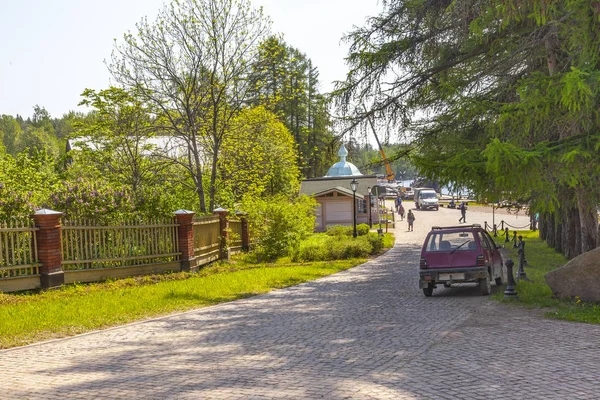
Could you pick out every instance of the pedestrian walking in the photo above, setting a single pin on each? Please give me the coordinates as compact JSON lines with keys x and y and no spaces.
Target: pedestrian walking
{"x":401,"y":212}
{"x":463,"y":212}
{"x":398,"y":203}
{"x":410,"y":217}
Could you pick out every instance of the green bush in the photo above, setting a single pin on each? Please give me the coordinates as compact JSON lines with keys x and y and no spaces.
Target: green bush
{"x":375,"y":241}
{"x":314,"y":248}
{"x":278,"y":225}
{"x":362,"y":229}
{"x":340,"y":249}
{"x":344,"y":230}
{"x":323,"y":247}
{"x":339,"y":230}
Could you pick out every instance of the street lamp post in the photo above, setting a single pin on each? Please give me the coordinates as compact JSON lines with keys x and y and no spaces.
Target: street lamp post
{"x":354,"y":186}
{"x":370,"y":208}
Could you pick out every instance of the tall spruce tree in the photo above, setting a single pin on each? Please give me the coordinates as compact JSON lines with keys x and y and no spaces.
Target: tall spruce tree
{"x":285,"y":82}
{"x":500,"y":95}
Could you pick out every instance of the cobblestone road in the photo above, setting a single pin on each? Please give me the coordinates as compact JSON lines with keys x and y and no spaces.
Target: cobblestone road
{"x":366,"y":333}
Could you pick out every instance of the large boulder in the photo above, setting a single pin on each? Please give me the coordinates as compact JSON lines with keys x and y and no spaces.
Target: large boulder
{"x":579,"y":277}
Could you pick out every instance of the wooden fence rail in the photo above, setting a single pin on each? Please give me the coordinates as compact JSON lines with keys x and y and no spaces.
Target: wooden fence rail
{"x":88,"y":246}
{"x":206,"y":238}
{"x":18,"y":249}
{"x":48,"y":253}
{"x":235,"y":231}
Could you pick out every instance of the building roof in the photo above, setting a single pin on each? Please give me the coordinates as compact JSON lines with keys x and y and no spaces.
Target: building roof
{"x":343,"y":167}
{"x":169,"y":146}
{"x":339,"y":189}
{"x":318,"y":185}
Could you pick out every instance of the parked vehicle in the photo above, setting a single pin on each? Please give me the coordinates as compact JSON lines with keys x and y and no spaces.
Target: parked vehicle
{"x":426,"y":198}
{"x":457,"y":254}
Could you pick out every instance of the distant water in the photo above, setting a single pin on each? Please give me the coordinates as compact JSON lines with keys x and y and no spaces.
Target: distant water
{"x":444,"y":189}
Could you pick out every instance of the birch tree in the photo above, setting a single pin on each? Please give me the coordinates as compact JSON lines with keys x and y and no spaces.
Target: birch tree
{"x":191,"y":67}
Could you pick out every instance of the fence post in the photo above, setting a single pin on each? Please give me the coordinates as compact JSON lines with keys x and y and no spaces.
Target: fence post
{"x":48,"y":239}
{"x":224,"y":232}
{"x":245,"y":232}
{"x":185,"y":239}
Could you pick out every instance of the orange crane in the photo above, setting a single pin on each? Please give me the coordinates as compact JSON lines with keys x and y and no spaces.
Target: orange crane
{"x":390,"y":176}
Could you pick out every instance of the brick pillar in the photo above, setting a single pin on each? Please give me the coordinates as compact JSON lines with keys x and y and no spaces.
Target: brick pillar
{"x":48,"y":239}
{"x":224,"y":232}
{"x":185,"y":239}
{"x":245,"y":232}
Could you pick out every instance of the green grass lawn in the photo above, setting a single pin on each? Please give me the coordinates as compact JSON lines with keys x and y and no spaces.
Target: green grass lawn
{"x":535,"y":293}
{"x":32,"y":317}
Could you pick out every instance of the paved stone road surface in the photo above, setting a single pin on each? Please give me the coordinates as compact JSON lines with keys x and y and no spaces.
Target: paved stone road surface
{"x":366,"y":333}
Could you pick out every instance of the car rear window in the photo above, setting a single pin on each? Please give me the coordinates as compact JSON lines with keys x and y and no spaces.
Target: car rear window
{"x":447,"y":241}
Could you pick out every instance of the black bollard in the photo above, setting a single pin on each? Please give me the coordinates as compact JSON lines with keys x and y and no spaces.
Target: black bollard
{"x":514,"y":240}
{"x":510,"y":293}
{"x":521,"y":274}
{"x":507,"y":240}
{"x":495,"y":230}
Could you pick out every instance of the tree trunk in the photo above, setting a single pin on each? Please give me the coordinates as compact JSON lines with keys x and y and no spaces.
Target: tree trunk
{"x":558,"y":229}
{"x":588,"y":220}
{"x":542,"y":226}
{"x":571,"y":233}
{"x":549,"y":223}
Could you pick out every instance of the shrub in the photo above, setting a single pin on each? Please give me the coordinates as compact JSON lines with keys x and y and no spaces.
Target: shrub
{"x":321,"y":247}
{"x":362,"y":229}
{"x":344,"y":230}
{"x":92,"y":199}
{"x":314,"y":248}
{"x":339,"y":230}
{"x":340,"y":249}
{"x":375,"y":241}
{"x":278,"y":225}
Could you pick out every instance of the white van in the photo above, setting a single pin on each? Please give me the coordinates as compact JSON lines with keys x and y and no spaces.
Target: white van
{"x":426,"y":198}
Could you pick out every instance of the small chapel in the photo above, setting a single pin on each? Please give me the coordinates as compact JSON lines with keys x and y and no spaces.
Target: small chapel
{"x":334,"y":194}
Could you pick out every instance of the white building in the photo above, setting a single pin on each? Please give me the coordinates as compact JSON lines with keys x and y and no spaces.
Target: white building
{"x":334,"y":194}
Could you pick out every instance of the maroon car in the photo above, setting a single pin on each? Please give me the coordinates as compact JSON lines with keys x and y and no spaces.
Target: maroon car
{"x":456,"y":254}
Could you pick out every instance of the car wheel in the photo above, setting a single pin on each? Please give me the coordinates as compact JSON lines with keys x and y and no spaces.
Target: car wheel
{"x":437,"y":208}
{"x":428,"y":291}
{"x":485,"y":285}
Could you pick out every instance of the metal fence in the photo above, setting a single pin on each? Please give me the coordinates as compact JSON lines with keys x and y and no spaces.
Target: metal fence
{"x":87,"y":246}
{"x":18,"y":249}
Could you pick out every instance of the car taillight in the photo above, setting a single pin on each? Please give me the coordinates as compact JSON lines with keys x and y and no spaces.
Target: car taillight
{"x":480,"y":261}
{"x":422,"y":263}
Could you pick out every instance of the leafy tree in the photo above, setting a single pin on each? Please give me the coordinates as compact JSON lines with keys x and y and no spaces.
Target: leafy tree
{"x":26,"y":182}
{"x":285,"y":82}
{"x":117,"y":142}
{"x":35,"y":139}
{"x":259,"y":157}
{"x":501,"y":96}
{"x":190,"y":67}
{"x":10,"y":131}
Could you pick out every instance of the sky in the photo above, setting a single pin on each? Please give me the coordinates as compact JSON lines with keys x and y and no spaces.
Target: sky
{"x":50,"y":51}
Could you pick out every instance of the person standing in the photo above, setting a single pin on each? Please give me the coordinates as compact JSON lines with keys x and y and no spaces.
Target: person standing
{"x":410,"y":217}
{"x":398,"y":204}
{"x":463,"y":212}
{"x":401,"y":212}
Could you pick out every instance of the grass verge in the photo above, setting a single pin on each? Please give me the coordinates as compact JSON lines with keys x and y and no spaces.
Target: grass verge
{"x":535,"y":293}
{"x":31,"y":317}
